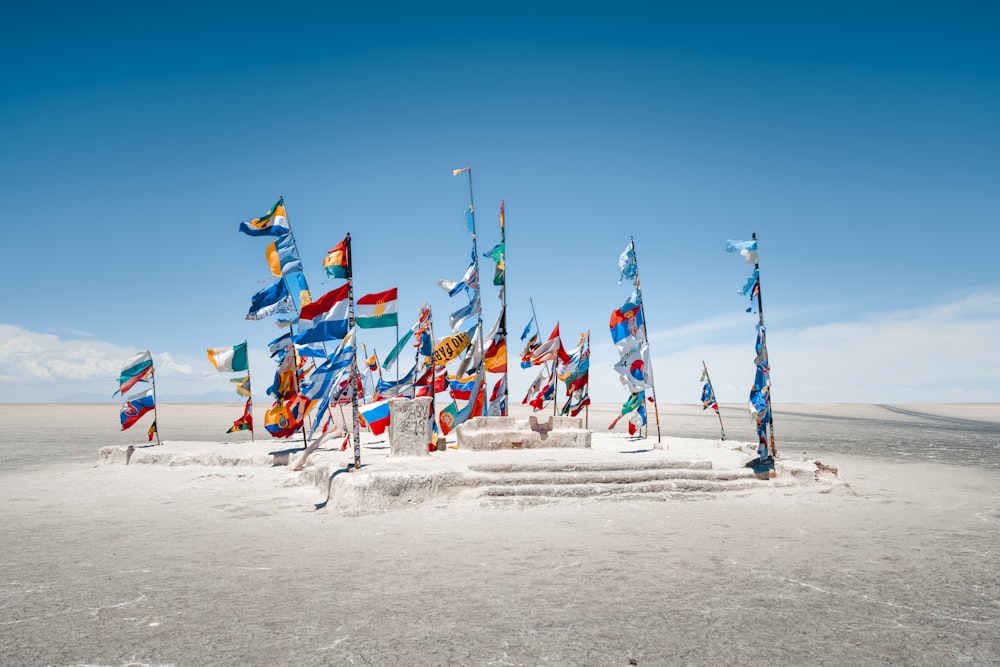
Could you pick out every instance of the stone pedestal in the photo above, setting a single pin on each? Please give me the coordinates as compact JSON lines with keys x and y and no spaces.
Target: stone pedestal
{"x":409,"y":426}
{"x":510,"y":433}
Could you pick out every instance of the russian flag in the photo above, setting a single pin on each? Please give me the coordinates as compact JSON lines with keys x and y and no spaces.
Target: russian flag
{"x":326,"y":318}
{"x":376,"y":415}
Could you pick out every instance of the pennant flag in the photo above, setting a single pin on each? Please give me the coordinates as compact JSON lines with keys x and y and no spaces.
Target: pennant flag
{"x":394,"y":352}
{"x":151,"y":432}
{"x":229,"y":359}
{"x":272,"y":223}
{"x":137,"y":368}
{"x":447,"y":417}
{"x":282,"y":256}
{"x":244,"y":423}
{"x":456,"y":172}
{"x":626,"y":328}
{"x":376,"y":310}
{"x":448,"y":348}
{"x":377,"y":415}
{"x":550,"y":350}
{"x":326,"y":318}
{"x":135,"y":407}
{"x":746,"y":248}
{"x":242,"y":385}
{"x":335,"y":261}
{"x":272,"y":299}
{"x":634,"y":369}
{"x":497,"y":254}
{"x":627,"y":267}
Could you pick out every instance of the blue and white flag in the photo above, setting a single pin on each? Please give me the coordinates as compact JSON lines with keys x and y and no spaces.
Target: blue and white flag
{"x":272,"y":299}
{"x":627,"y":266}
{"x":746,"y":248}
{"x":460,"y":316}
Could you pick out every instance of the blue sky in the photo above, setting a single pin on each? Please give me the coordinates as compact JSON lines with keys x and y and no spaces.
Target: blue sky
{"x":858,"y":140}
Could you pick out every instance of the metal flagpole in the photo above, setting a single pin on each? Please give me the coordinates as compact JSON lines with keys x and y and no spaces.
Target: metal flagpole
{"x":763,"y":343}
{"x":353,"y":388}
{"x":250,"y":396}
{"x":475,"y":259}
{"x":645,"y":335}
{"x":503,"y":306}
{"x":718,"y":413}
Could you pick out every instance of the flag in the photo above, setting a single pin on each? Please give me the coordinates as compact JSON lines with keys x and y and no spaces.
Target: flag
{"x":634,"y":368}
{"x":284,"y":418}
{"x":372,"y":363}
{"x":746,"y":248}
{"x":497,"y":406}
{"x":634,"y":402}
{"x":284,"y":378}
{"x":760,"y":361}
{"x":377,"y":415}
{"x":326,"y":318}
{"x":750,"y":286}
{"x":135,"y":406}
{"x":151,"y":432}
{"x":311,"y":350}
{"x":242,"y":385}
{"x":272,"y":299}
{"x":272,"y":223}
{"x":626,"y":328}
{"x":550,"y":350}
{"x":545,"y":395}
{"x":536,"y":384}
{"x":470,"y":221}
{"x":497,"y":254}
{"x":501,"y":214}
{"x":244,"y":423}
{"x":460,"y":316}
{"x":394,"y":352}
{"x":280,"y":344}
{"x":527,"y":329}
{"x":469,"y":281}
{"x":637,"y":420}
{"x":447,"y":417}
{"x":335,"y":261}
{"x":456,"y":172}
{"x":376,"y":310}
{"x":496,"y":356}
{"x":528,"y":350}
{"x":627,"y":267}
{"x":474,"y":407}
{"x":402,"y":387}
{"x":137,"y":368}
{"x":708,"y":397}
{"x":462,"y":387}
{"x":229,"y":359}
{"x":342,"y":357}
{"x":282,"y":256}
{"x":633,"y":301}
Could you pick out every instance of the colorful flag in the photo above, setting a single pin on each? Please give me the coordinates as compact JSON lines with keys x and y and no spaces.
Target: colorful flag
{"x":528,"y":350}
{"x":376,"y":310}
{"x":272,"y":299}
{"x":461,"y":388}
{"x":151,"y":432}
{"x":282,"y":256}
{"x":377,"y":415}
{"x":746,"y":248}
{"x":634,"y":368}
{"x":284,"y":378}
{"x":536,"y":384}
{"x":627,"y":267}
{"x":283,"y":418}
{"x":244,"y":423}
{"x":634,"y":402}
{"x":135,"y":407}
{"x":137,"y":368}
{"x":229,"y":359}
{"x":708,"y":397}
{"x":550,"y":350}
{"x":474,"y":407}
{"x":280,"y":344}
{"x":498,"y":255}
{"x":496,"y":356}
{"x":326,"y":318}
{"x":272,"y":223}
{"x":449,"y":347}
{"x":242,"y":385}
{"x":342,"y":357}
{"x":372,"y":363}
{"x":497,"y":406}
{"x":626,"y":328}
{"x":335,"y":261}
{"x":447,"y":417}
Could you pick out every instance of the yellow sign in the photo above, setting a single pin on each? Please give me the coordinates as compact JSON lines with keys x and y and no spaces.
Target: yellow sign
{"x":450,"y":348}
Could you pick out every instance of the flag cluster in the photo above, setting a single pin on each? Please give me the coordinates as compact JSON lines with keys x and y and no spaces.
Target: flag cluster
{"x":628,"y":332}
{"x":137,"y":368}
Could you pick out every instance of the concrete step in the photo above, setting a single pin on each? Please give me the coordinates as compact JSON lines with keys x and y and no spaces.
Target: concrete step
{"x":589,"y":466}
{"x":608,"y":476}
{"x":672,"y":487}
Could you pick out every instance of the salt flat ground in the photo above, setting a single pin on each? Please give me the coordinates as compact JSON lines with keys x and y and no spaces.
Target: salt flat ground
{"x":149,"y":565}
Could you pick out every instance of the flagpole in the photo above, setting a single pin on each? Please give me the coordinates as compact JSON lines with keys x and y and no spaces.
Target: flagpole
{"x":586,"y":408}
{"x":645,"y":335}
{"x":714,"y":399}
{"x":353,"y":388}
{"x":433,"y":387}
{"x":763,"y":333}
{"x":155,"y":423}
{"x":250,"y":395}
{"x":503,"y":307}
{"x":475,"y":259}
